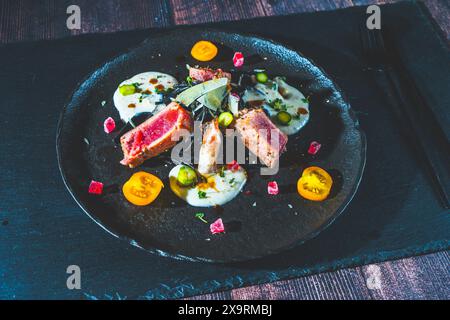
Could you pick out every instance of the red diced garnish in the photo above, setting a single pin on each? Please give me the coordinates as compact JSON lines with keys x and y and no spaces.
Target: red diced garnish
{"x":95,"y":187}
{"x":233,"y":166}
{"x":217,"y":226}
{"x":238,"y":59}
{"x":109,"y":125}
{"x":314,"y":147}
{"x":272,"y":187}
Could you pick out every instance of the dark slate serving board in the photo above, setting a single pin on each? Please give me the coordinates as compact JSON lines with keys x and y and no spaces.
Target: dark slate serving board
{"x":394,"y":214}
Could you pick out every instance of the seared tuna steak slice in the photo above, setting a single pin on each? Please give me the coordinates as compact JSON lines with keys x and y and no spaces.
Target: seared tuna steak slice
{"x":155,"y":135}
{"x":205,"y":74}
{"x":261,"y":136}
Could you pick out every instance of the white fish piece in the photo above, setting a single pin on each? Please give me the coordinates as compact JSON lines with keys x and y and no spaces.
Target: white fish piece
{"x":210,"y":148}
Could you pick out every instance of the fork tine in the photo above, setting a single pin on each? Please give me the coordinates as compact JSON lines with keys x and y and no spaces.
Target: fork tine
{"x":363,"y":36}
{"x":373,"y":45}
{"x":381,"y":41}
{"x":372,"y":40}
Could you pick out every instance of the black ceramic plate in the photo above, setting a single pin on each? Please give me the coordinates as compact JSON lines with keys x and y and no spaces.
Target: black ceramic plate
{"x":256,"y":224}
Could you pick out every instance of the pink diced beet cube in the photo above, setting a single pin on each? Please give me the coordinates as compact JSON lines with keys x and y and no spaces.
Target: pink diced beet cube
{"x":272,"y":188}
{"x":314,"y":147}
{"x":233,"y":166}
{"x":109,"y":125}
{"x":238,"y":59}
{"x":217,"y":226}
{"x":95,"y":187}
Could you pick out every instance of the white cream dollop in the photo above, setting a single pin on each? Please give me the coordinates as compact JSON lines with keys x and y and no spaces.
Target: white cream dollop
{"x":292,"y":100}
{"x":147,"y":99}
{"x":215,"y":190}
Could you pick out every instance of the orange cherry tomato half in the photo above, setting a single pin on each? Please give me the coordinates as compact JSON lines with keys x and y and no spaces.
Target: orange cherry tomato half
{"x":142,"y":188}
{"x":204,"y":51}
{"x":314,"y":184}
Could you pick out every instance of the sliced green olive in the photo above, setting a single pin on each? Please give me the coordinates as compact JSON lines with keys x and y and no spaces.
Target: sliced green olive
{"x":187,"y":176}
{"x":262,"y":77}
{"x":127,"y":89}
{"x":225,"y":119}
{"x":284,"y":117}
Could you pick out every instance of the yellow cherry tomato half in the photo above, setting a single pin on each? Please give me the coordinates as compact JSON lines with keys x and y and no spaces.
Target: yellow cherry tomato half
{"x":142,"y":188}
{"x":204,"y":51}
{"x":314,"y":184}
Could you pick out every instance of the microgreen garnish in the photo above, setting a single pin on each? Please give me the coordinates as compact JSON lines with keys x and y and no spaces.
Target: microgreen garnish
{"x":305,"y":100}
{"x":222,"y":172}
{"x":136,"y":87}
{"x":278,"y":105}
{"x":202,"y":195}
{"x":232,"y":181}
{"x":189,"y":81}
{"x":200,"y":215}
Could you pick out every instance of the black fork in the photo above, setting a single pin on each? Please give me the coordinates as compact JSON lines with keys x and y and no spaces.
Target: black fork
{"x":382,"y":61}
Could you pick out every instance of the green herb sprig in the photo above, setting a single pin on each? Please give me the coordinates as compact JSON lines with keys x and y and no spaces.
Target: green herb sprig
{"x":200,"y":216}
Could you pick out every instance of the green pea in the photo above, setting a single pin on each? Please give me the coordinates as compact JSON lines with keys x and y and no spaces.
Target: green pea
{"x":225,"y":119}
{"x":186,"y":176}
{"x":284,"y":117}
{"x":262,"y":77}
{"x":127,"y":89}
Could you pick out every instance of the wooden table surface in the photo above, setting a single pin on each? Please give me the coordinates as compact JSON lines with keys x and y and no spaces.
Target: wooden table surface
{"x":422,"y":277}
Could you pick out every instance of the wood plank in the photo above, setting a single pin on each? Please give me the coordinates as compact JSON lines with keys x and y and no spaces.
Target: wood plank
{"x":346,"y":284}
{"x":224,"y":295}
{"x":332,"y":285}
{"x":198,"y":11}
{"x":422,"y":277}
{"x":120,"y":15}
{"x":280,"y":7}
{"x":440,"y":10}
{"x":368,"y":2}
{"x":35,"y":20}
{"x":22,"y":20}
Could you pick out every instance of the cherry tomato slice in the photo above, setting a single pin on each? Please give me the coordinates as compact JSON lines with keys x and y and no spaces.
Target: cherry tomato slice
{"x":204,"y":51}
{"x":142,"y":188}
{"x":314,"y":184}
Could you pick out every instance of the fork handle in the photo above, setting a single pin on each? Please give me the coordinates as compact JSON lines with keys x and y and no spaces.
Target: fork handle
{"x":431,"y":148}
